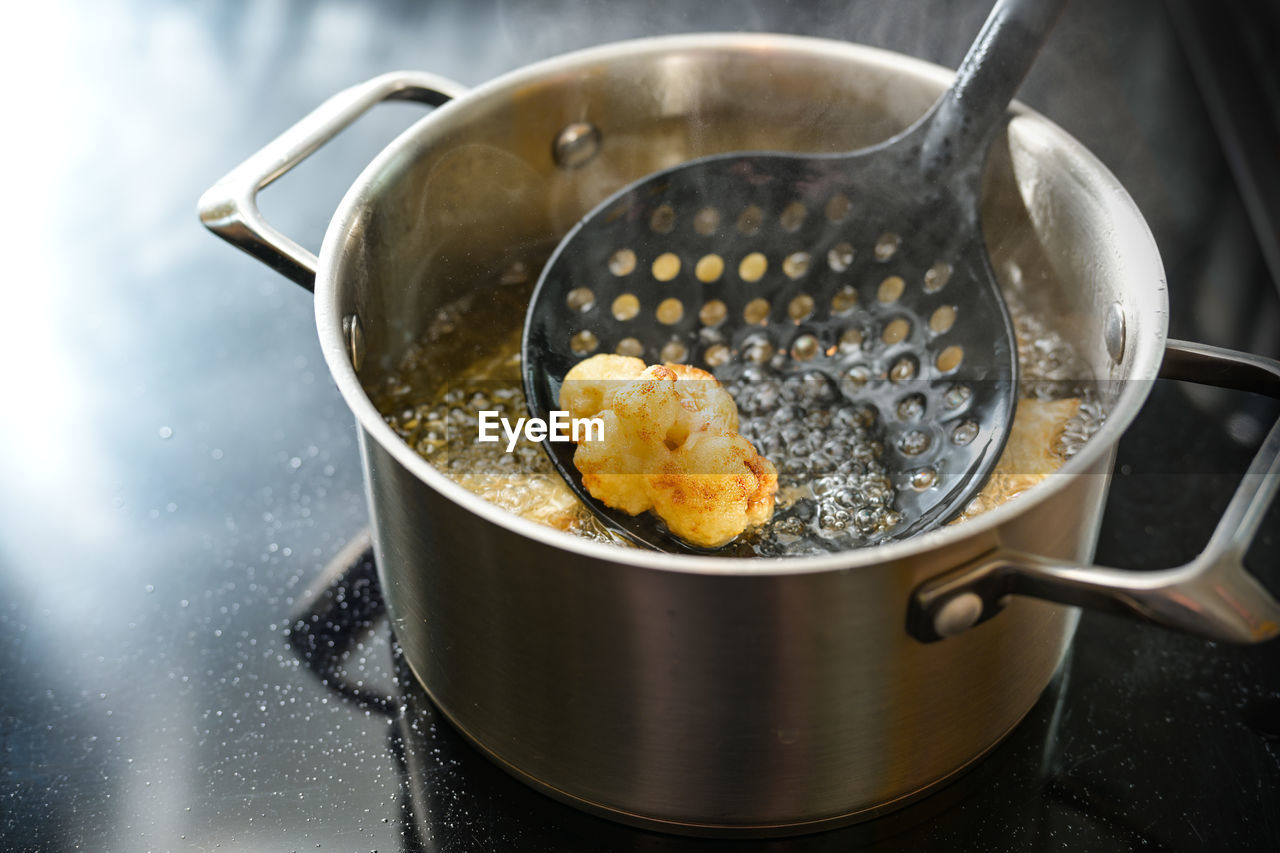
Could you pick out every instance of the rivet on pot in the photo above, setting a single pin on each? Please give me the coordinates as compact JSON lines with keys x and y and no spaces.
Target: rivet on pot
{"x":353,"y":337}
{"x":1113,"y":332}
{"x":958,"y":614}
{"x":576,"y":145}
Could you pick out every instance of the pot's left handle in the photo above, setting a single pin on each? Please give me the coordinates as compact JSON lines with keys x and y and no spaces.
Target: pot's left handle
{"x":230,"y":207}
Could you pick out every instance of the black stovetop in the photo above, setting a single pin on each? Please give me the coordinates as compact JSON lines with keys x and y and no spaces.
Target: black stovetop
{"x":179,"y":470}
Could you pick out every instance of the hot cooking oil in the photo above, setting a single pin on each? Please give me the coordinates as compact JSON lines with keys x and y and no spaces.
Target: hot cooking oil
{"x":834,"y":491}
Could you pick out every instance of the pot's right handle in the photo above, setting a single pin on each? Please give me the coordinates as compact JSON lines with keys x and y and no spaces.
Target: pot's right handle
{"x":230,"y":208}
{"x":1212,"y":596}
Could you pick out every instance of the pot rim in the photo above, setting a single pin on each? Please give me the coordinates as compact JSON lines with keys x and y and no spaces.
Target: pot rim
{"x":1148,"y":349}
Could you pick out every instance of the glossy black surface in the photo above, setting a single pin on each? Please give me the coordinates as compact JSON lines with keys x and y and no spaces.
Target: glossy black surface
{"x":177,"y":467}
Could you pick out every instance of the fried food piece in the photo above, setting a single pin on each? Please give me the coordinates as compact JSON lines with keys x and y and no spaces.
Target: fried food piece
{"x":589,"y":382}
{"x":713,"y":488}
{"x":709,"y":406}
{"x":671,"y":445}
{"x":1029,"y":456}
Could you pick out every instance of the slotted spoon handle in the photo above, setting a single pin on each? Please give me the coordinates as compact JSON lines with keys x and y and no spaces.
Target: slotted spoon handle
{"x":960,"y":128}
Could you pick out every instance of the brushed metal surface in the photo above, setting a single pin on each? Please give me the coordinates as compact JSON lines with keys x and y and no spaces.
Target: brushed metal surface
{"x":689,"y":689}
{"x":748,"y":699}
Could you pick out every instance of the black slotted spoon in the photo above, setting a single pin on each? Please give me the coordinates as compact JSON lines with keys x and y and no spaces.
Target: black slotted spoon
{"x":867,"y":267}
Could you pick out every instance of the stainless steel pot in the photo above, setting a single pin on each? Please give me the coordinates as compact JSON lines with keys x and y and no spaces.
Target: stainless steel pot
{"x":692,"y":693}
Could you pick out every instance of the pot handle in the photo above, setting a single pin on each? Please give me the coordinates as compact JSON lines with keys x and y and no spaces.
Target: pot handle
{"x":1213,"y":596}
{"x":230,"y":208}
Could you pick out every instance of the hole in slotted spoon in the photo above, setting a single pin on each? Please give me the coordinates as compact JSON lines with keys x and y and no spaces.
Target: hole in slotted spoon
{"x":666,"y":266}
{"x":622,"y":262}
{"x":937,"y":276}
{"x":709,"y":268}
{"x":626,"y":306}
{"x":713,"y":313}
{"x":706,"y":221}
{"x":670,"y":311}
{"x":749,"y":220}
{"x":756,"y":312}
{"x":584,"y":343}
{"x":840,"y":257}
{"x":942,"y":319}
{"x":753,"y":267}
{"x":663,"y":219}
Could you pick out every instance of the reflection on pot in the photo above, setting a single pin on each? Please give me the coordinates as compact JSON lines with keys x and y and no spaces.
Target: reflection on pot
{"x":452,"y":797}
